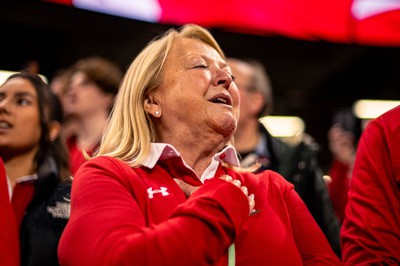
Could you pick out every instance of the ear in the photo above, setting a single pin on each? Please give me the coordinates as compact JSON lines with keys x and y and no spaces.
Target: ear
{"x":54,"y":130}
{"x":152,"y":106}
{"x":257,"y":101}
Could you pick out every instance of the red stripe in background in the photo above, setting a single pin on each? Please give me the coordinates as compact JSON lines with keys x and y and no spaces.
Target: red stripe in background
{"x":330,"y":21}
{"x":63,"y":2}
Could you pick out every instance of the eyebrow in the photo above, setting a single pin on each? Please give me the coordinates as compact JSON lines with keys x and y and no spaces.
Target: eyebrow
{"x":20,"y":94}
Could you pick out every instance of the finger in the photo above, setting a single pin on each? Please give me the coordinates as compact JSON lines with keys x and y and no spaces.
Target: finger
{"x":252,"y":202}
{"x":227,"y":178}
{"x":245,"y":190}
{"x":236,"y":183}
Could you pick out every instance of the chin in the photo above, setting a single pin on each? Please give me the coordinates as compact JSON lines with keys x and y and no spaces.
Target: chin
{"x":227,"y":128}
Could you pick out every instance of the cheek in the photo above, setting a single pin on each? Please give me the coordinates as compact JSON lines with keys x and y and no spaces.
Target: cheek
{"x":34,"y":125}
{"x":237,"y":99}
{"x":29,"y":131}
{"x":180,"y":99}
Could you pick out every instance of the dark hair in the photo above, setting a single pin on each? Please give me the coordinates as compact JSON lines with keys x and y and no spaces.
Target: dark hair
{"x":50,"y":109}
{"x":58,"y":148}
{"x":344,"y":118}
{"x":106,"y":75}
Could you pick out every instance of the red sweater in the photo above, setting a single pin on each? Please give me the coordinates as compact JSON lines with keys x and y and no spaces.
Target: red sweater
{"x":9,"y":232}
{"x":139,"y":216}
{"x":371,"y":230}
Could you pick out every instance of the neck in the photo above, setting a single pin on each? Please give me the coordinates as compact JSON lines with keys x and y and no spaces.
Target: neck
{"x":247,"y":136}
{"x":89,"y":130}
{"x":197,"y":152}
{"x":19,"y":166}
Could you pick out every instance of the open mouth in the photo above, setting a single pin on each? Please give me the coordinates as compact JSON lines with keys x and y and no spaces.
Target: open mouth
{"x":5,"y":125}
{"x":222,"y":99}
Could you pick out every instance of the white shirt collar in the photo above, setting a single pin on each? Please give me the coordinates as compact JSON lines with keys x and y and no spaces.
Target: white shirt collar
{"x":20,"y":180}
{"x":162,"y":151}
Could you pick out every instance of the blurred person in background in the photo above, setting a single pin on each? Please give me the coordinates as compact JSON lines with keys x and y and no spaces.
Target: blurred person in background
{"x":370,"y":234}
{"x":343,"y":138}
{"x":165,"y":187}
{"x":298,"y":164}
{"x":59,"y":82}
{"x":32,"y":66}
{"x":91,"y":90}
{"x":35,"y":180}
{"x":59,"y":86}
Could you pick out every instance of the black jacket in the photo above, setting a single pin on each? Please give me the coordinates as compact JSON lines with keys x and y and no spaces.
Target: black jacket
{"x":299,"y":165}
{"x":45,"y":218}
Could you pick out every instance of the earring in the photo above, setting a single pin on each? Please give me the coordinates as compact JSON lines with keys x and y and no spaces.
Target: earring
{"x":157,"y":112}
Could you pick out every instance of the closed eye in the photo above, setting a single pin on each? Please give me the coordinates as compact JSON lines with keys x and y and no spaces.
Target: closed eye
{"x":201,"y":66}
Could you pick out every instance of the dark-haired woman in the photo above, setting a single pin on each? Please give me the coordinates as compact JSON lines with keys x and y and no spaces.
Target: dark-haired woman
{"x":34,"y":172}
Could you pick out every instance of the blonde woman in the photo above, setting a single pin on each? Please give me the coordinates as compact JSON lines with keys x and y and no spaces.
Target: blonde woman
{"x":164,"y":188}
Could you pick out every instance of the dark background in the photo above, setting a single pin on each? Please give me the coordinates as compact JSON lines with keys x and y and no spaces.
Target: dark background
{"x":310,"y":79}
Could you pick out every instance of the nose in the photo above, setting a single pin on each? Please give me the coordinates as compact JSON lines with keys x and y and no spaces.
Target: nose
{"x":223,"y":78}
{"x":70,"y":92}
{"x":4,"y":106}
{"x":70,"y":89}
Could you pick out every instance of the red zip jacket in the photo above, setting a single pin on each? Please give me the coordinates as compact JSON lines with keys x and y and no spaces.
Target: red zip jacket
{"x":371,"y":230}
{"x":140,"y":216}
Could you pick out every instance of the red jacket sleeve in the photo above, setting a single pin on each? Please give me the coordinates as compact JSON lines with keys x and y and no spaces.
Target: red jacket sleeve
{"x":310,"y":240}
{"x":108,"y":225}
{"x":371,"y":231}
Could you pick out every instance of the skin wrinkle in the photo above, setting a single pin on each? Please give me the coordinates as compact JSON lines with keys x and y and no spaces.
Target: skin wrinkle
{"x":210,"y":76}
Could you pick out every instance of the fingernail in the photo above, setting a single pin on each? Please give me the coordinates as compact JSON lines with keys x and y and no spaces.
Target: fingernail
{"x":251,"y":196}
{"x":236,"y":182}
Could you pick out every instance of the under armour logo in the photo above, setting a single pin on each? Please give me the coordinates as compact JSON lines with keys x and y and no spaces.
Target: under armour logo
{"x":162,"y":190}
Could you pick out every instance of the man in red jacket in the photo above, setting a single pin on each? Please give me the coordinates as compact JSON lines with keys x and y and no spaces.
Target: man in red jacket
{"x":371,"y":230}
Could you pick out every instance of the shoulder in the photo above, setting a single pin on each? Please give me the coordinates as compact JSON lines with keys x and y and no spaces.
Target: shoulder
{"x":388,"y":122}
{"x":278,"y":144}
{"x":105,"y":168}
{"x":381,"y":136}
{"x":279,"y":181}
{"x":383,"y":130}
{"x":104,"y":163}
{"x":391,"y":114}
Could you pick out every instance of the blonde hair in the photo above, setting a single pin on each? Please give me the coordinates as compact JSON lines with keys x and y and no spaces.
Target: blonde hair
{"x":130,"y":131}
